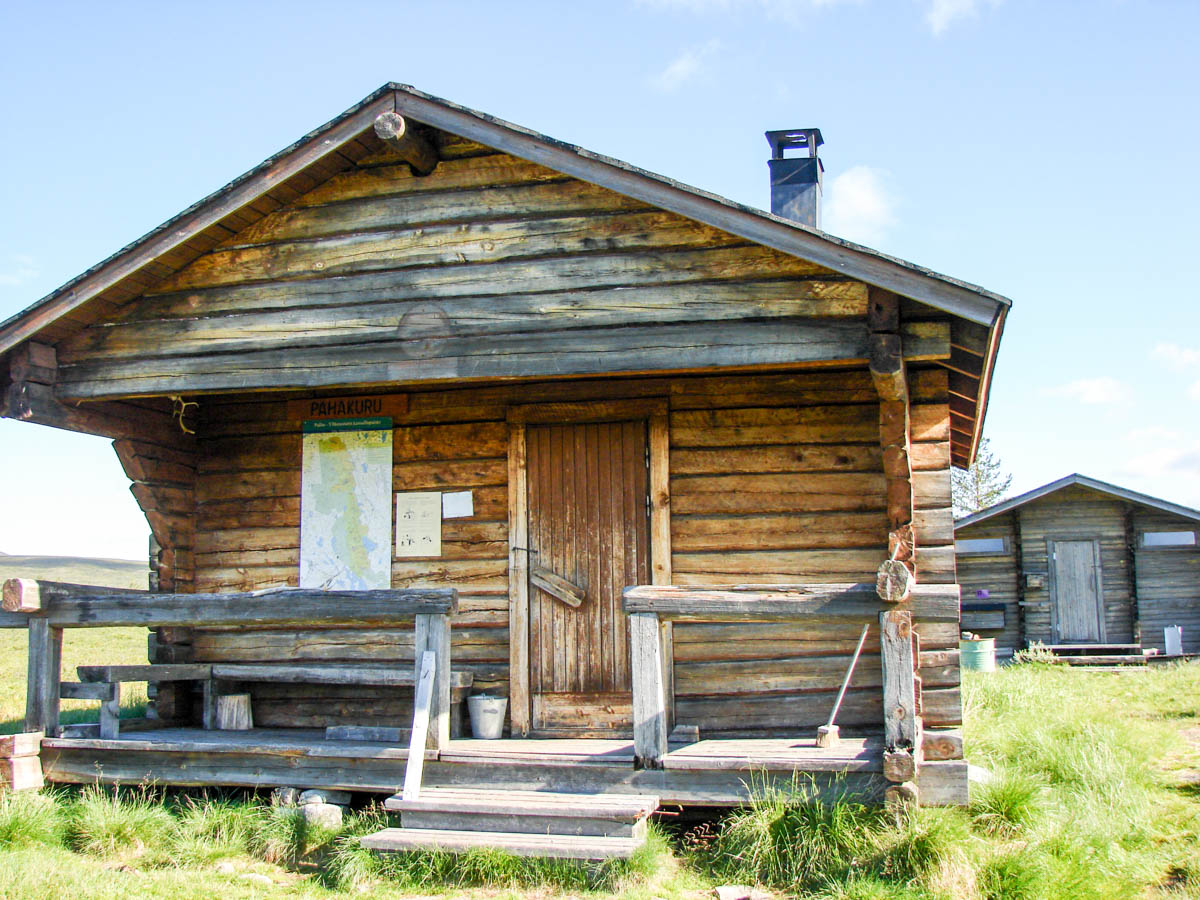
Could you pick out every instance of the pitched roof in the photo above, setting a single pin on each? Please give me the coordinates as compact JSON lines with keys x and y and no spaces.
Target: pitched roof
{"x":1082,"y":481}
{"x":339,"y":144}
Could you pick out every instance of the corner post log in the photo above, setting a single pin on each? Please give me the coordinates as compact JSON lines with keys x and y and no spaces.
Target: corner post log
{"x":432,"y":633}
{"x":890,"y":377}
{"x":44,"y":677}
{"x":649,"y":691}
{"x":900,"y":723}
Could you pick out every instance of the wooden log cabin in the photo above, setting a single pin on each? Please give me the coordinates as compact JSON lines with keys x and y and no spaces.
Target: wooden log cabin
{"x":618,"y":384}
{"x":1086,"y":568}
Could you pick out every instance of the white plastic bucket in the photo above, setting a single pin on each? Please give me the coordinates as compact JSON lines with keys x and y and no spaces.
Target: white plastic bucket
{"x":487,"y":716}
{"x":1173,"y":640}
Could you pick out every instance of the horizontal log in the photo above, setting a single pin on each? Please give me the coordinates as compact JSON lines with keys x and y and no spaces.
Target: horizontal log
{"x":89,"y":606}
{"x":328,"y":674}
{"x":113,"y":674}
{"x":39,"y":403}
{"x":857,"y":602}
{"x":675,"y":347}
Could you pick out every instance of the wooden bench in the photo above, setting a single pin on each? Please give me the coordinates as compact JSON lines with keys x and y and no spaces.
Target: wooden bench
{"x":103,"y":683}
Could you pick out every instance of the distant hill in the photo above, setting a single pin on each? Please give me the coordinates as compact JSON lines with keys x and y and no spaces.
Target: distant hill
{"x":117,"y":573}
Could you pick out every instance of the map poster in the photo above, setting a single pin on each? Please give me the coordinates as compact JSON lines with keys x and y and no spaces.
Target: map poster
{"x":345,"y":504}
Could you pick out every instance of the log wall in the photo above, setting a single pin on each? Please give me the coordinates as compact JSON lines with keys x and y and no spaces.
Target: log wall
{"x":773,"y":479}
{"x":1168,"y":580}
{"x":489,"y":267}
{"x":997,"y":574}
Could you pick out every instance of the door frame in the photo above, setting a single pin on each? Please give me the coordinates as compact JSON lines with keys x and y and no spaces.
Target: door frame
{"x":655,"y":411}
{"x":1098,"y":565}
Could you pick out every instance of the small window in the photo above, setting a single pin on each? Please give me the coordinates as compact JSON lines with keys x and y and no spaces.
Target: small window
{"x":981,"y":546}
{"x":1168,"y":539}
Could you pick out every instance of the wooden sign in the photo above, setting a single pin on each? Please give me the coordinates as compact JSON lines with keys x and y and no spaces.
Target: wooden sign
{"x":349,"y":407}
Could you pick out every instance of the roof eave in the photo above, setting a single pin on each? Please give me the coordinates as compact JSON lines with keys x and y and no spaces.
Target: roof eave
{"x":1082,"y":481}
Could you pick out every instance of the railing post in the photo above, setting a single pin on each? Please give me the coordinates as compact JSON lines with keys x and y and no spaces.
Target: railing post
{"x":432,"y":632}
{"x":649,"y":690}
{"x":43,"y":677}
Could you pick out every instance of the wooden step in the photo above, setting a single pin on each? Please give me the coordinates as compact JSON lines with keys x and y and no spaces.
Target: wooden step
{"x":526,"y":812}
{"x":556,"y":846}
{"x":1098,"y":661}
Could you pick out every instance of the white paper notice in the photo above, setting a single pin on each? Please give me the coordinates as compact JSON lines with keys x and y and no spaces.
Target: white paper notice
{"x":457,"y":505}
{"x":419,"y":523}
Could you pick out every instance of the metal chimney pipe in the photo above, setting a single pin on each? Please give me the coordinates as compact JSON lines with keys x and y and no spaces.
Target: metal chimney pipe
{"x":796,"y":180}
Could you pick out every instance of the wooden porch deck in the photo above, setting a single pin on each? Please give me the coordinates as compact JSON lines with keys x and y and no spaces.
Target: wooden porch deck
{"x":711,"y":772}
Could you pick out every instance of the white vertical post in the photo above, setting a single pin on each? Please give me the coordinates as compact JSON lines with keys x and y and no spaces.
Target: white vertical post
{"x":649,"y":691}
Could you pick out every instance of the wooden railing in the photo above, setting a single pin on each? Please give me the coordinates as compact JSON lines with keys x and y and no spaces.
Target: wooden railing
{"x":46,"y":608}
{"x":650,"y":607}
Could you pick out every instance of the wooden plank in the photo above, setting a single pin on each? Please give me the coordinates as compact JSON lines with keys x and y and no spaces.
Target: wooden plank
{"x":557,"y":586}
{"x":849,"y":602}
{"x":44,"y":676}
{"x":659,"y":437}
{"x":432,"y":634}
{"x":899,"y":687}
{"x":75,"y":690}
{"x":28,"y":743}
{"x":89,"y":606}
{"x":110,"y":714}
{"x":650,"y":728}
{"x":518,"y":579}
{"x":381,"y":734}
{"x":420,"y":727}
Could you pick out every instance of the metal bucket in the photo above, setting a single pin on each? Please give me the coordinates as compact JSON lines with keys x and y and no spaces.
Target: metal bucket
{"x":487,"y":716}
{"x":978,"y":655}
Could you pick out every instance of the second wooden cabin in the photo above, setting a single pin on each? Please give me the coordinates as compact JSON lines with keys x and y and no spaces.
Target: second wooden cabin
{"x":1084,"y":564}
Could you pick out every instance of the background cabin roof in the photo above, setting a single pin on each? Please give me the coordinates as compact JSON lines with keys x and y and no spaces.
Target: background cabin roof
{"x":1080,"y":481}
{"x":96,"y":294}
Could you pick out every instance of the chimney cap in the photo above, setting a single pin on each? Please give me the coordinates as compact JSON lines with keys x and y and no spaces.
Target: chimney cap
{"x":794,"y":138}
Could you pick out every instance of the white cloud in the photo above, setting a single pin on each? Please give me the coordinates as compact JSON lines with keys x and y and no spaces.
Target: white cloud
{"x":1194,"y":391}
{"x":1102,"y":391}
{"x":858,"y":205}
{"x":941,"y":14}
{"x":1176,"y":357}
{"x":686,"y":66}
{"x":17,"y":269}
{"x":1167,"y":461}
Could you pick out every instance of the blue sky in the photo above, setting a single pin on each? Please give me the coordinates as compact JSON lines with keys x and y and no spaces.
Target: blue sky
{"x":1045,"y":150}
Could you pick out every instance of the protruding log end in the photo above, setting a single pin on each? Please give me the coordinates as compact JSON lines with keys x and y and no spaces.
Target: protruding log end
{"x":21,"y":595}
{"x":416,"y":150}
{"x":899,"y":766}
{"x":894,"y":581}
{"x":902,"y":798}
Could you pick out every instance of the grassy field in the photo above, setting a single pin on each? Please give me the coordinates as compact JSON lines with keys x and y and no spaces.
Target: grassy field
{"x":1096,"y":794}
{"x":81,"y":646}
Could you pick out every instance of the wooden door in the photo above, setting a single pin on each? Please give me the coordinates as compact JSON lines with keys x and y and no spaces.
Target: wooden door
{"x":588,"y":528}
{"x":1078,"y":592}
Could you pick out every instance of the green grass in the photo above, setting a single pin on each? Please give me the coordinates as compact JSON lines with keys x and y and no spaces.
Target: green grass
{"x":1095,"y":794}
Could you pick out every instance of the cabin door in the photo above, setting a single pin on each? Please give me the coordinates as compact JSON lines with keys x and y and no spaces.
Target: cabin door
{"x":1078,"y":592}
{"x":589,"y":538}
